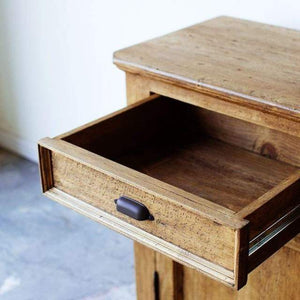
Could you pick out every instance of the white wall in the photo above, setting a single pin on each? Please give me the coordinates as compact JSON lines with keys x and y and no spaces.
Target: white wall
{"x":56,"y":68}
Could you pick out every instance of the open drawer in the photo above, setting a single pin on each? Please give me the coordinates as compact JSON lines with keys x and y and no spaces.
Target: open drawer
{"x":159,"y":173}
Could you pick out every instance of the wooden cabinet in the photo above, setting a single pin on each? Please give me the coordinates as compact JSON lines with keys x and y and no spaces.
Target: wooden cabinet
{"x":202,"y":167}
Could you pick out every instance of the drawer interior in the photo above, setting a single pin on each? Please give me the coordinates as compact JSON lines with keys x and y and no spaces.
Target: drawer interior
{"x":177,"y":143}
{"x":224,"y":194}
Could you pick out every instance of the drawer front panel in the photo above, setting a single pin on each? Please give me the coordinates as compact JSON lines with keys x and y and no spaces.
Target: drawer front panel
{"x":172,"y":223}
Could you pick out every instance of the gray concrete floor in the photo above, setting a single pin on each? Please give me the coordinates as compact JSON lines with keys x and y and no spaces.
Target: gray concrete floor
{"x":48,"y":251}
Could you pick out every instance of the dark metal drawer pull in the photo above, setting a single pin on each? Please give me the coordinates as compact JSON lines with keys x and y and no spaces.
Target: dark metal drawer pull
{"x":133,"y":209}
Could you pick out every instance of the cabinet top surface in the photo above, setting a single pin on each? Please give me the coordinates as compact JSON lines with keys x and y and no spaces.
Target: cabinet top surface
{"x":238,"y":60}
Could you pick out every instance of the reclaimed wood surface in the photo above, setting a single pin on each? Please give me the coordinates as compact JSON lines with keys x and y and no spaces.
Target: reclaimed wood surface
{"x":263,"y":140}
{"x":267,"y":142}
{"x":96,"y":181}
{"x":247,"y":88}
{"x":145,"y":268}
{"x":239,"y":61}
{"x":179,"y":151}
{"x":220,"y":105}
{"x":189,"y":181}
{"x":170,"y":278}
{"x":157,"y":276}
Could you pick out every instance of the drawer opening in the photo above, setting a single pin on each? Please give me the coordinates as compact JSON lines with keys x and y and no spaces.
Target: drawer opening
{"x":212,"y":182}
{"x":177,"y":143}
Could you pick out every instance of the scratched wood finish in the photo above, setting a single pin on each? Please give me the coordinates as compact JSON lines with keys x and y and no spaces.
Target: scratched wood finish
{"x":262,"y":140}
{"x":245,"y":128}
{"x":179,"y":151}
{"x":206,"y":167}
{"x":100,"y":186}
{"x":258,"y":113}
{"x":224,"y":174}
{"x":239,"y":61}
{"x":100,"y":190}
{"x":250,"y":136}
{"x":273,"y":205}
{"x":224,"y":184}
{"x":245,"y":113}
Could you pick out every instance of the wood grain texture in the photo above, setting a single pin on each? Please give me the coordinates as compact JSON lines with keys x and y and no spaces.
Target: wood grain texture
{"x":45,"y":167}
{"x":172,"y":251}
{"x":294,"y":243}
{"x":198,"y":188}
{"x":245,"y":113}
{"x":144,"y":271}
{"x":84,"y":176}
{"x":100,"y":190}
{"x":272,"y":205}
{"x":170,"y":273}
{"x":276,"y":278}
{"x":136,"y":90}
{"x":178,"y":151}
{"x":267,"y":142}
{"x":192,"y":203}
{"x":244,"y":62}
{"x":250,"y":136}
{"x":241,"y":256}
{"x":192,"y":166}
{"x":242,"y":131}
{"x":221,"y":173}
{"x":170,"y":278}
{"x":225,"y":174}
